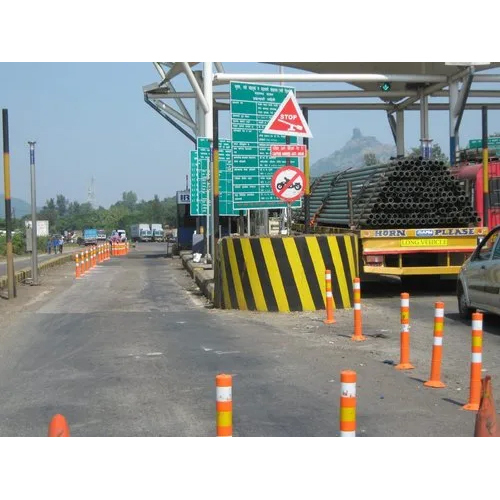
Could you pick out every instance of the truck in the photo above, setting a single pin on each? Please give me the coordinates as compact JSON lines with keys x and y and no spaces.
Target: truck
{"x":90,"y":237}
{"x":140,"y":232}
{"x":411,"y":218}
{"x":101,"y":235}
{"x":158,"y":234}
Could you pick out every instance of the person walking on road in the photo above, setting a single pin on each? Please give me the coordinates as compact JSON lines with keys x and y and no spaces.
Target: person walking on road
{"x":49,"y":246}
{"x":55,"y":242}
{"x":61,"y":244}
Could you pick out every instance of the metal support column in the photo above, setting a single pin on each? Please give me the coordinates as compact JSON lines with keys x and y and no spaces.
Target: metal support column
{"x":200,"y":129}
{"x":207,"y":91}
{"x":400,"y":132}
{"x":453,"y":99}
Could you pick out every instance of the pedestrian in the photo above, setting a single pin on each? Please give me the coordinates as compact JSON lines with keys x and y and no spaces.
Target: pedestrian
{"x":55,"y":242}
{"x":61,"y":243}
{"x":49,"y":246}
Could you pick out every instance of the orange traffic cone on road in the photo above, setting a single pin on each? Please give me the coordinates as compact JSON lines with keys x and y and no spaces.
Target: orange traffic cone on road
{"x":330,"y":318}
{"x":486,"y":418}
{"x":58,"y":426}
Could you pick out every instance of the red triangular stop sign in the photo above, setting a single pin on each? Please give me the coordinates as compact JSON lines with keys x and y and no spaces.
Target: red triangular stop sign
{"x":288,"y":119}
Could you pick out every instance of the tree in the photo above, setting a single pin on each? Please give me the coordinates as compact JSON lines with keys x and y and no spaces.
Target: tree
{"x":62,"y":205}
{"x":437,"y":154}
{"x":370,"y":159}
{"x":129,"y":199}
{"x":49,"y":212}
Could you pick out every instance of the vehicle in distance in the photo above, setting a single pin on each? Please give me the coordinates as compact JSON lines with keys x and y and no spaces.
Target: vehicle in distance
{"x":478,"y":284}
{"x":158,"y":234}
{"x":101,"y":235}
{"x":90,"y":237}
{"x":140,"y":232}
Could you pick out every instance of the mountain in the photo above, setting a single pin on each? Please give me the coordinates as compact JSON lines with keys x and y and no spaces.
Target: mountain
{"x":352,"y":154}
{"x":20,"y":207}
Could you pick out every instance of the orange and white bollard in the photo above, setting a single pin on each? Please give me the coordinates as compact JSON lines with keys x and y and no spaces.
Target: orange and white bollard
{"x":77,"y":266}
{"x":224,"y":404}
{"x":58,"y":426}
{"x":87,"y":260}
{"x":437,"y":348}
{"x":82,"y":263}
{"x":404,"y":361}
{"x":476,"y":362}
{"x":347,"y":403}
{"x":358,"y":325}
{"x":330,"y":319}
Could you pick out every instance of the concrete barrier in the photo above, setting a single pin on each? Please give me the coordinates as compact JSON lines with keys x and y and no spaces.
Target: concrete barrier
{"x":286,"y":273}
{"x":25,"y":273}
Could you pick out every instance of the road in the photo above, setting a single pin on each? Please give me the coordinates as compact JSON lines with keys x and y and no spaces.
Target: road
{"x":132,"y":349}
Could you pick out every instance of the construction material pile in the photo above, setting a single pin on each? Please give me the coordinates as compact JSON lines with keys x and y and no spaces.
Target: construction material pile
{"x":402,"y":193}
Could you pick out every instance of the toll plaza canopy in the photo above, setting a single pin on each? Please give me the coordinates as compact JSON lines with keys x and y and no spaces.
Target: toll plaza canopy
{"x":394,"y":87}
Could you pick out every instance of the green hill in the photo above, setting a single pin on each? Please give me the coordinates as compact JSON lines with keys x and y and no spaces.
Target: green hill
{"x":20,"y":207}
{"x":352,"y":154}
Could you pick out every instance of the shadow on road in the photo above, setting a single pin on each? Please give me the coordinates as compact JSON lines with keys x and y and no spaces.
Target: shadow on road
{"x":491,"y":322}
{"x":417,"y":286}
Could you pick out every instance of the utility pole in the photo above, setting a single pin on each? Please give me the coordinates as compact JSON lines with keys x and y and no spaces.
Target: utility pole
{"x":34,"y":236}
{"x":8,"y":203}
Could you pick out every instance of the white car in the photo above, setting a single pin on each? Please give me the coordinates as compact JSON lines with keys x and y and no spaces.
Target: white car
{"x":478,"y":285}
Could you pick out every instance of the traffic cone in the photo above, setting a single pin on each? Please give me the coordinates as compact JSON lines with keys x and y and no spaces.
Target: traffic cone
{"x":58,"y":426}
{"x":486,"y":418}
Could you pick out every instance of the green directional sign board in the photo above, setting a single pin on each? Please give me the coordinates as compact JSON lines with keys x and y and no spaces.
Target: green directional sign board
{"x":200,"y":170}
{"x":252,"y":106}
{"x":194,"y":206}
{"x":226,"y":178}
{"x":493,"y":142}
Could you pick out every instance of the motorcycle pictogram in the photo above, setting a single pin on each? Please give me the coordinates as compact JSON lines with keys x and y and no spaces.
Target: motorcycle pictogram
{"x":297,"y":185}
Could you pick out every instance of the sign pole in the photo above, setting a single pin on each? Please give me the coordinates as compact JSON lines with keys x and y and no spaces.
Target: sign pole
{"x":307,"y":193}
{"x":486,"y":182}
{"x":34,"y":239}
{"x":8,"y":205}
{"x":289,"y":219}
{"x":207,"y":91}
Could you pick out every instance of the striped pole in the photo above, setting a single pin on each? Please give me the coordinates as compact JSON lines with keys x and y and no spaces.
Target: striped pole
{"x":77,"y":268}
{"x":87,"y":261}
{"x":476,"y":362}
{"x":224,"y":405}
{"x":81,"y":258}
{"x":358,"y":325}
{"x":347,"y":403}
{"x":437,"y":348}
{"x":330,"y":319}
{"x":404,"y":362}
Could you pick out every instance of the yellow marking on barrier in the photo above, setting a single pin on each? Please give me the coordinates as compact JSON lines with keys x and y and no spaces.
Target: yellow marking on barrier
{"x":347,"y":414}
{"x":274,"y":275}
{"x":350,"y":255}
{"x":477,"y":341}
{"x":317,"y":260}
{"x":405,"y":315}
{"x":242,"y":304}
{"x":224,"y":418}
{"x":299,"y":274}
{"x":225,"y":285}
{"x":339,"y":268}
{"x":253,"y":275}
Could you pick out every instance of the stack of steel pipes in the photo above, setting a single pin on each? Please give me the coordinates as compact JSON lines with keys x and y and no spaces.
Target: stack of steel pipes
{"x":402,"y":193}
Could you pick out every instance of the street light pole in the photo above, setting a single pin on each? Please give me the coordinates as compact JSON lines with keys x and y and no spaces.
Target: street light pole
{"x":34,"y":239}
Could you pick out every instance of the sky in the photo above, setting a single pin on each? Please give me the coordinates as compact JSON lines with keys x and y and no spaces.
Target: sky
{"x":90,"y":120}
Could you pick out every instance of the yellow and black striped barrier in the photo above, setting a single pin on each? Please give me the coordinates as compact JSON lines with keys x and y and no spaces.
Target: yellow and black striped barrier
{"x":286,"y":273}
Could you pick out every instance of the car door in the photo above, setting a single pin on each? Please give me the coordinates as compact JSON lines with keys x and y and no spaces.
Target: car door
{"x":492,"y":280}
{"x":477,"y":268}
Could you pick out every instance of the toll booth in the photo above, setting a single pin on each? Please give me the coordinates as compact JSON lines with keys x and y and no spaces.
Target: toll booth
{"x":186,"y":223}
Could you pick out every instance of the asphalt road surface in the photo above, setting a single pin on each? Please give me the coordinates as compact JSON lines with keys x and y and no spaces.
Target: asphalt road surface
{"x":132,"y":349}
